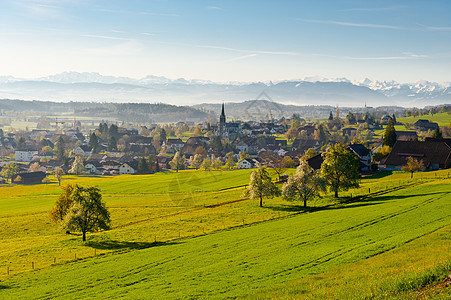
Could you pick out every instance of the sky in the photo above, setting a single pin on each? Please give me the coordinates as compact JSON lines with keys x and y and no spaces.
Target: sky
{"x":228,"y":40}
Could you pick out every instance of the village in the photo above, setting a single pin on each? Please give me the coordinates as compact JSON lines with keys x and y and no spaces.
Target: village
{"x":279,"y":144}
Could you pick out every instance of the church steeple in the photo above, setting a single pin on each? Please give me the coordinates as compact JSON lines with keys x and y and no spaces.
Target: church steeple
{"x":222,"y":119}
{"x":222,"y":122}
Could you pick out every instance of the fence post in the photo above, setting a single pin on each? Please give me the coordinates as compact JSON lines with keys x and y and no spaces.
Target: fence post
{"x":7,"y":270}
{"x":54,"y":260}
{"x":32,"y":265}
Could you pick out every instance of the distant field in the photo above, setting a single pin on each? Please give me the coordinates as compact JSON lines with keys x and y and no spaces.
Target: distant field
{"x":443,"y":119}
{"x":279,"y":243}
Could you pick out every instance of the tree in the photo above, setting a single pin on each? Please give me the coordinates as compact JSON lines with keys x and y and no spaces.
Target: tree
{"x":77,"y":166}
{"x":272,"y":160}
{"x":244,"y":155}
{"x":112,"y":143}
{"x":60,"y":148}
{"x":340,"y":169}
{"x":34,"y":167}
{"x":62,"y":204}
{"x":230,"y":161}
{"x":178,"y":162}
{"x":383,"y":151}
{"x":21,"y":145}
{"x":413,"y":165}
{"x":163,"y":135}
{"x":217,"y":144}
{"x":143,"y":166}
{"x":94,"y":143}
{"x":304,"y":185}
{"x":288,"y":162}
{"x":216,"y":162}
{"x":87,"y":212}
{"x":309,"y":154}
{"x":197,"y":131}
{"x":292,"y":133}
{"x":260,"y":186}
{"x":200,"y":150}
{"x":206,"y":164}
{"x":437,"y":134}
{"x":331,"y":116}
{"x":390,"y":133}
{"x":9,"y":170}
{"x":113,"y":131}
{"x":59,"y":173}
{"x":196,"y":162}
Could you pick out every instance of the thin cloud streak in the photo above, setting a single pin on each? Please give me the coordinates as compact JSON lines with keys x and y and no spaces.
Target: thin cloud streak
{"x":374,"y":8}
{"x":348,"y":24}
{"x":248,"y":51}
{"x":242,"y":57}
{"x":407,"y":56}
{"x":105,"y":37}
{"x":434,"y":28}
{"x":112,"y":11}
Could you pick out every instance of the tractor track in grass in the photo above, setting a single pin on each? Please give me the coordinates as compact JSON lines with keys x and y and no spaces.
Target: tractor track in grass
{"x":197,"y":208}
{"x":335,"y":254}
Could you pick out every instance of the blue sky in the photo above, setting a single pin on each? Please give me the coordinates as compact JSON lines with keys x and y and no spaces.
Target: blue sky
{"x":228,"y":40}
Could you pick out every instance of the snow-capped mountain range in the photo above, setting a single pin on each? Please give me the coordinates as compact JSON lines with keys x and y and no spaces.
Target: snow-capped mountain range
{"x":74,"y":86}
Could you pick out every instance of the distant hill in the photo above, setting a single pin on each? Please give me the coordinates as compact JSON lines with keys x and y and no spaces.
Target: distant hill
{"x":136,"y":112}
{"x":72,"y":86}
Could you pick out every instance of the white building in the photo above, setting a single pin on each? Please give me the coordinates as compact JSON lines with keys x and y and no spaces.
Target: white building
{"x":24,"y":155}
{"x":248,"y":163}
{"x":128,"y":168}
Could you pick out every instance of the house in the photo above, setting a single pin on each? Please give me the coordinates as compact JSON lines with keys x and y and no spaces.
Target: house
{"x":129,"y":168}
{"x":303,"y":145}
{"x":315,"y":162}
{"x":24,"y":155}
{"x":83,"y":150}
{"x":174,"y":145}
{"x":435,"y":154}
{"x":364,"y":155}
{"x":29,"y":177}
{"x":242,"y":146}
{"x":248,"y":163}
{"x":406,"y":136}
{"x":198,"y":140}
{"x":307,"y":129}
{"x":94,"y":167}
{"x":425,"y":125}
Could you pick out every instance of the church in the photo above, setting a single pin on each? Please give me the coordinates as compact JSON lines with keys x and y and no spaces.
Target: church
{"x":225,"y":130}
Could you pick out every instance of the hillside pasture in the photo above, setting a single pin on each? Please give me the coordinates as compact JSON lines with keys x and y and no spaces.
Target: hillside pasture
{"x":210,"y":242}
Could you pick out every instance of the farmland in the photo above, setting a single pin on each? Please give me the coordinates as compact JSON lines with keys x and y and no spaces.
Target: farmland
{"x":191,"y":234}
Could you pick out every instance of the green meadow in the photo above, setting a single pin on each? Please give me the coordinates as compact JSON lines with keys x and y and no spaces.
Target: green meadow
{"x":191,"y":235}
{"x":443,"y":119}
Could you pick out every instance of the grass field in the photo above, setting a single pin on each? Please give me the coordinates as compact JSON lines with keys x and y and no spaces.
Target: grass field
{"x":213,"y":243}
{"x":443,"y":119}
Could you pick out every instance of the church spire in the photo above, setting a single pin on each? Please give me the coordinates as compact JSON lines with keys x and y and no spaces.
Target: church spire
{"x":222,"y":122}
{"x":222,"y":118}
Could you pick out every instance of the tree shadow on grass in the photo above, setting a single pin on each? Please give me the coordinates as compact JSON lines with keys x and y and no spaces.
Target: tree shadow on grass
{"x":121,"y":245}
{"x":300,"y":208}
{"x":380,"y":198}
{"x":4,"y":287}
{"x":379,"y":175}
